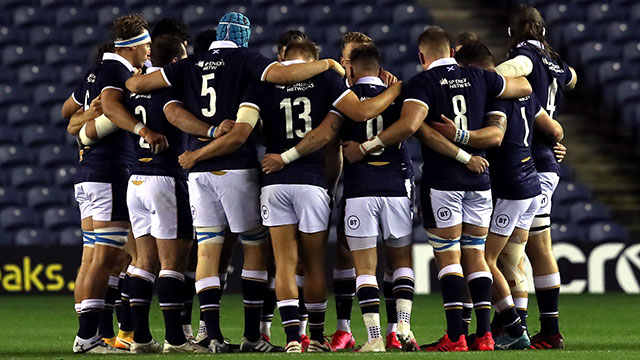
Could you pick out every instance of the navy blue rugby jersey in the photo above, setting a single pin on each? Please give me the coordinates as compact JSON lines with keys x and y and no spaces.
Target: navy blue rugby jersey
{"x":149,"y":109}
{"x":548,"y":79}
{"x":461,"y":94}
{"x":288,"y":113}
{"x":212,"y":84}
{"x":382,"y":173}
{"x":513,"y":172}
{"x":109,"y":158}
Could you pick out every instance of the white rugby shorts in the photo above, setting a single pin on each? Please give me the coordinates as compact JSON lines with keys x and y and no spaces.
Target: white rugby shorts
{"x":229,"y":197}
{"x":102,"y":201}
{"x":365,"y":217}
{"x":509,"y":214}
{"x":451,"y":208}
{"x":305,"y":205}
{"x":159,"y":206}
{"x":548,"y":183}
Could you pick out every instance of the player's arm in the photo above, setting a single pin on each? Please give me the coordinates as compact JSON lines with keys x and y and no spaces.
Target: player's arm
{"x":246,"y":120}
{"x":574,"y":79}
{"x":81,"y":117}
{"x":118,"y":114}
{"x":146,"y":83}
{"x":313,"y":141}
{"x":364,"y":110}
{"x":333,"y":163}
{"x":520,"y":65}
{"x":548,"y":127}
{"x":515,"y":87}
{"x":488,"y":137}
{"x":70,"y":107}
{"x":184,"y":120}
{"x":280,"y":74}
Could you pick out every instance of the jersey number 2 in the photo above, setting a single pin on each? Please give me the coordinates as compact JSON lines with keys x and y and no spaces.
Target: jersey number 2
{"x":140,"y":110}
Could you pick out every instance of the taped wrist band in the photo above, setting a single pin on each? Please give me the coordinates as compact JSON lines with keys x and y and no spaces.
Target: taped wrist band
{"x":462,"y":137}
{"x":137,"y":128}
{"x":371,"y":144}
{"x":211,"y":132}
{"x":463,"y":156}
{"x":290,"y":155}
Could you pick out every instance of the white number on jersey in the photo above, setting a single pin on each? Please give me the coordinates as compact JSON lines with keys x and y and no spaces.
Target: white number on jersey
{"x":140,"y":110}
{"x":206,"y":90}
{"x":460,"y":109}
{"x":288,"y":112}
{"x":526,"y":126}
{"x":551,"y":98}
{"x":377,"y":121}
{"x":86,"y":101}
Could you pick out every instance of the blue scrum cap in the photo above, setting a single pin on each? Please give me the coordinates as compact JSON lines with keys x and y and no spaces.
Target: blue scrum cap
{"x":235,"y":27}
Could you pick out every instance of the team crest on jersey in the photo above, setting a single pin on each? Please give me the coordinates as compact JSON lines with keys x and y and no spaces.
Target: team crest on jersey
{"x":91,"y":78}
{"x":502,"y":221}
{"x":444,"y":213}
{"x":353,"y":222}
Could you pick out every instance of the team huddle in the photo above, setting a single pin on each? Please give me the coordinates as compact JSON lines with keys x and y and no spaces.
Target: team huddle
{"x":169,"y":178}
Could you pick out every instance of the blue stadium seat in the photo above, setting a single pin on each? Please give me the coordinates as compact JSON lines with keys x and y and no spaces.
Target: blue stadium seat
{"x":36,"y":135}
{"x":576,"y":32}
{"x":154,"y":13}
{"x":35,"y":74}
{"x":389,"y":3}
{"x":10,"y":35}
{"x":607,"y":73}
{"x":93,"y":4}
{"x":568,"y":232}
{"x":14,"y":155}
{"x":631,"y":52}
{"x":634,"y":12}
{"x":368,"y":15}
{"x":15,"y":218}
{"x":333,"y":33}
{"x":71,"y":237}
{"x":592,"y":52}
{"x":60,"y":217}
{"x":49,"y":94}
{"x":8,"y":135}
{"x":59,"y":3}
{"x":71,"y":17}
{"x":84,"y":35}
{"x":200,"y":15}
{"x":270,"y":51}
{"x":11,"y":94}
{"x":415,"y":31}
{"x":20,"y":55}
{"x":585,"y":212}
{"x":562,"y":12}
{"x":620,"y":32}
{"x":256,"y":15}
{"x":34,"y":237}
{"x":326,"y":14}
{"x":63,"y":176}
{"x":55,"y":116}
{"x":561,"y":212}
{"x":626,"y":91}
{"x":264,"y":3}
{"x":330,"y":51}
{"x":410,"y":70}
{"x":48,"y":35}
{"x":407,"y":14}
{"x":348,"y":3}
{"x":607,"y":232}
{"x":11,"y":4}
{"x":56,"y":155}
{"x":41,"y":197}
{"x":10,"y":197}
{"x":27,"y":176}
{"x":383,"y":34}
{"x":394,"y":54}
{"x":31,"y":16}
{"x":571,"y":191}
{"x":109,"y":12}
{"x":60,"y":55}
{"x":139,"y":4}
{"x":284,"y":15}
{"x":21,"y":115}
{"x":6,"y":239}
{"x":261,"y":35}
{"x":603,"y":12}
{"x":304,"y":3}
{"x":71,"y":75}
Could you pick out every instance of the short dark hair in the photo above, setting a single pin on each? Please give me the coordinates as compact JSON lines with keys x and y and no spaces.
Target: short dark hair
{"x":104,"y":47}
{"x":289,"y":37}
{"x":465,"y":38}
{"x":128,"y":26}
{"x":204,"y":40}
{"x":475,"y":54}
{"x":366,"y":57}
{"x":165,"y":48}
{"x":304,"y":47}
{"x":170,"y":26}
{"x":435,"y":38}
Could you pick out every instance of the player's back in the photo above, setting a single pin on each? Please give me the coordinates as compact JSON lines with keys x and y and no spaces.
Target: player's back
{"x":461,"y":94}
{"x":390,"y":167}
{"x":288,"y":113}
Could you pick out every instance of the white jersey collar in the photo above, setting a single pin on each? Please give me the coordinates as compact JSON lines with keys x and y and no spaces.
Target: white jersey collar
{"x":116,"y":57}
{"x":532,"y":42}
{"x":443,"y":62}
{"x":152,"y":69}
{"x":223,"y":44}
{"x":370,"y":80}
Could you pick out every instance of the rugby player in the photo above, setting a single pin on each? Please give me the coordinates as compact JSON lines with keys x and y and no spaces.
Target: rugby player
{"x":454,"y":196}
{"x":532,"y":56}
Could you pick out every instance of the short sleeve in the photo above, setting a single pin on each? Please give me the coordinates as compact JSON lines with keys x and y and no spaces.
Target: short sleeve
{"x":416,"y":92}
{"x":496,"y":83}
{"x":168,"y":96}
{"x":497,"y":107}
{"x":536,"y":107}
{"x":250,"y":97}
{"x":336,"y":88}
{"x":115,"y":78}
{"x":176,"y":71}
{"x":568,"y":75}
{"x":78,"y":95}
{"x":256,"y":65}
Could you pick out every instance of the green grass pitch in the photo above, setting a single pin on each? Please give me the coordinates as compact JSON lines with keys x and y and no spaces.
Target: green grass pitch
{"x":595,"y":327}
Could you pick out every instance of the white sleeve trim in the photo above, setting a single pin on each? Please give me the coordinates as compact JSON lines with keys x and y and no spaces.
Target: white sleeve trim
{"x":73,"y":96}
{"x":339,"y":99}
{"x":251,"y":105}
{"x":337,"y":113}
{"x":571,"y":78}
{"x":171,"y":101}
{"x":263,"y":77}
{"x":540,"y":111}
{"x":110,"y":87}
{"x":497,"y":113}
{"x":164,"y":76}
{"x":418,"y":101}
{"x":504,"y":86}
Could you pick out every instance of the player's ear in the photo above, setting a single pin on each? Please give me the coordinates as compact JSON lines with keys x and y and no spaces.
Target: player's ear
{"x":452,"y":52}
{"x":421,"y":56}
{"x":351,"y":72}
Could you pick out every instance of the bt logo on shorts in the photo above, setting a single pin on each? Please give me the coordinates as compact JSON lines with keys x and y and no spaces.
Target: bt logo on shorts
{"x":353,"y":222}
{"x":502,"y":221}
{"x":444,"y":213}
{"x":544,"y":199}
{"x":194,"y":212}
{"x":265,"y":212}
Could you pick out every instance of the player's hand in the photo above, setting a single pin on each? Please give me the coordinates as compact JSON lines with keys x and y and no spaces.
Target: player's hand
{"x":351,"y":151}
{"x":95,"y":108}
{"x":477,"y":164}
{"x":560,"y":151}
{"x":447,"y":128}
{"x":157,"y":141}
{"x":396,"y":87}
{"x":335,"y":66}
{"x":187,"y":160}
{"x":137,"y":71}
{"x":272,"y":163}
{"x":387,"y":77}
{"x":224,"y":128}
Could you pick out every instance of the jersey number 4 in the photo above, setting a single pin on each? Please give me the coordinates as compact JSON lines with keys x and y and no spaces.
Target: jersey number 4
{"x":287,"y":105}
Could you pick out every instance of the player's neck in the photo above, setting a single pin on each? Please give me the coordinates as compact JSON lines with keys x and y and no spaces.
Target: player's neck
{"x":126,"y":55}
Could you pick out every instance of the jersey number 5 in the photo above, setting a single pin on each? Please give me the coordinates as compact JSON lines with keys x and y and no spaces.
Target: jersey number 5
{"x":207,"y":90}
{"x":288,"y":113}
